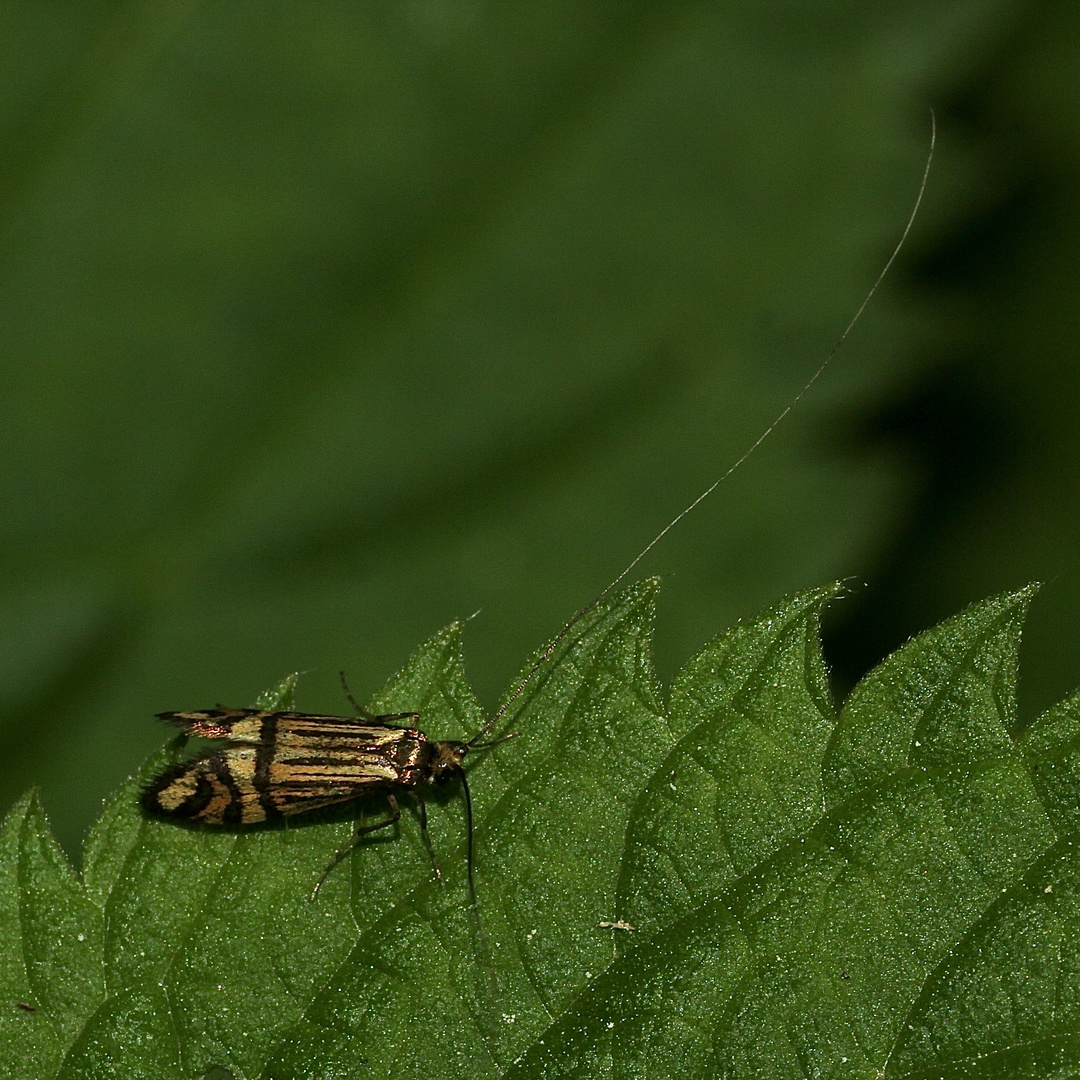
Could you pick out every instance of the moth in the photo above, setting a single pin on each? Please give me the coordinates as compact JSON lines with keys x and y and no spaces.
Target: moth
{"x":275,"y":764}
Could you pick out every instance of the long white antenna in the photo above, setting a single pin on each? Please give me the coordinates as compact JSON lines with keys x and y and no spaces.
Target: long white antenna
{"x":582,"y":612}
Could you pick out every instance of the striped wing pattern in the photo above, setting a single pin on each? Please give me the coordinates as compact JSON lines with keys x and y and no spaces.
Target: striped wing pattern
{"x":280,"y":763}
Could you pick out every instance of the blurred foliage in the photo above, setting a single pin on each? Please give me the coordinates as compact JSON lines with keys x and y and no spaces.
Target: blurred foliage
{"x":326,"y":323}
{"x":995,"y":427}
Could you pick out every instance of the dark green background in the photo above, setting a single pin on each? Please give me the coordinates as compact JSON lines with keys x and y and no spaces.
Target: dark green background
{"x":323,"y":324}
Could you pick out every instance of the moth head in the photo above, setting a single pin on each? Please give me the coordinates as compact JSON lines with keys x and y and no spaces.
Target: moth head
{"x":446,"y":760}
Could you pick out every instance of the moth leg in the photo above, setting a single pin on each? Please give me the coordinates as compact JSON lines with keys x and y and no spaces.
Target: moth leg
{"x":374,"y":718}
{"x":362,"y":831}
{"x":411,"y":719}
{"x":422,"y":806}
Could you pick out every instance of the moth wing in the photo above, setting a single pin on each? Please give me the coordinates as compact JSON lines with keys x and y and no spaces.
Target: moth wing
{"x":261,"y":726}
{"x":237,"y":725}
{"x":297,"y":799}
{"x":321,"y":760}
{"x":202,"y":789}
{"x":293,"y":763}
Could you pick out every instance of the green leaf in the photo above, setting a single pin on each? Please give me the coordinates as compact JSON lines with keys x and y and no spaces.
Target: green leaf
{"x":738,"y":882}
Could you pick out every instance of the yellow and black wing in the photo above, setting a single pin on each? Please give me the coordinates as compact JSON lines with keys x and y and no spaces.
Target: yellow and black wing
{"x":281,"y":763}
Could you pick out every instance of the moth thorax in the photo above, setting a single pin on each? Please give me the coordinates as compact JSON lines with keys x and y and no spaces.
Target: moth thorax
{"x":446,"y":758}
